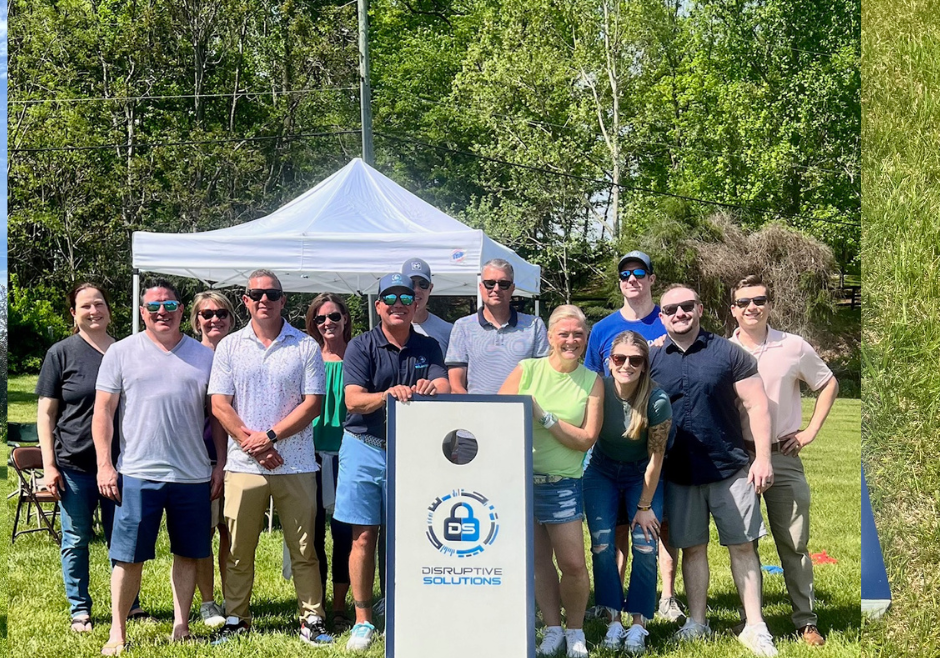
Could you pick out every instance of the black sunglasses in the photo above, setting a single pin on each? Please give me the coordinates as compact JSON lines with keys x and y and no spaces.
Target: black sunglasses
{"x":744,"y":302}
{"x":169,"y":306}
{"x":639,"y":273}
{"x":418,"y":282}
{"x":503,"y":284}
{"x":619,"y":359}
{"x":688,"y":307}
{"x":335,"y":316}
{"x":209,"y":313}
{"x":404,"y":298}
{"x":255,"y":294}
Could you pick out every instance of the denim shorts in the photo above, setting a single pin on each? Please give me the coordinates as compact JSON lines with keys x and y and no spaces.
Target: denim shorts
{"x":360,"y":483}
{"x":137,"y":519}
{"x":558,"y":502}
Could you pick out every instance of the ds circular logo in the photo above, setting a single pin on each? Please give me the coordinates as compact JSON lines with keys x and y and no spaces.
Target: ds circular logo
{"x":462,"y":523}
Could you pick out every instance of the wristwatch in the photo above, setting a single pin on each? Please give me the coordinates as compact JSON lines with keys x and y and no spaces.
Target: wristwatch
{"x":272,"y":436}
{"x":548,"y":419}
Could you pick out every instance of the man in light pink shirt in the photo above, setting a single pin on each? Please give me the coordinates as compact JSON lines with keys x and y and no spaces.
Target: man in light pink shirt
{"x":783,"y":361}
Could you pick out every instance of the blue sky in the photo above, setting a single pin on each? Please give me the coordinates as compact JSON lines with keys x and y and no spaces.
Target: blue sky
{"x":3,"y":142}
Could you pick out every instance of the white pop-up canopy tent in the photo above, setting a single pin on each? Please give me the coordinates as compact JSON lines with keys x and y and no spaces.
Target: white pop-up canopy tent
{"x":341,"y":236}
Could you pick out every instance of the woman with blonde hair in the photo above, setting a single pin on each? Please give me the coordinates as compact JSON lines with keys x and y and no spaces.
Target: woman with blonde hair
{"x":567,"y":400}
{"x":626,"y":468}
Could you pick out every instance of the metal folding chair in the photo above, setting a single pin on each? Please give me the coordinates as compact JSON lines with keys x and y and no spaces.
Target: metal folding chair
{"x":27,"y":462}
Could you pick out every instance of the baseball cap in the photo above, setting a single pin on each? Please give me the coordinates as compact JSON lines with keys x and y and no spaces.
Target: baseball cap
{"x":636,"y":255}
{"x":416,"y":267}
{"x":395,"y":281}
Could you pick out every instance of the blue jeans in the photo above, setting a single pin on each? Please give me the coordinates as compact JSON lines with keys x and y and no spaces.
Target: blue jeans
{"x":607,"y":482}
{"x":79,"y":498}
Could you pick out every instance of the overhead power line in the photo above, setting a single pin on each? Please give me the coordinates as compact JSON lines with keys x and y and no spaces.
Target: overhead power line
{"x":123,"y":99}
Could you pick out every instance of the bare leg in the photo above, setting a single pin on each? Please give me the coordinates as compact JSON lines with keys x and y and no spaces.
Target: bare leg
{"x":205,"y":578}
{"x":745,"y":569}
{"x":547,"y":594}
{"x":225,"y":543}
{"x":668,"y":561}
{"x":340,"y":590}
{"x":622,"y":540}
{"x":695,"y":574}
{"x":568,"y":542}
{"x":184,"y":586}
{"x":125,"y":583}
{"x":362,"y":569}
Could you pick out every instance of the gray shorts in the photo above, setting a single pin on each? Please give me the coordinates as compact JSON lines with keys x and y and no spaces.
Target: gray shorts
{"x":732,"y":502}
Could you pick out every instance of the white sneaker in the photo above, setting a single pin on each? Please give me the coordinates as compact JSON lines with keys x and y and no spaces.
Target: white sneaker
{"x":552,"y":641}
{"x":614,"y":638}
{"x":758,"y":639}
{"x":211,"y":614}
{"x":635,"y":640}
{"x":577,"y":645}
{"x":360,"y":637}
{"x":692,"y":630}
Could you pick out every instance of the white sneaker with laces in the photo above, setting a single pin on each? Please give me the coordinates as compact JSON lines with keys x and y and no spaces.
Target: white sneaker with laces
{"x":692,"y":630}
{"x":758,"y":639}
{"x":577,"y":644}
{"x":614,"y":638}
{"x":635,"y":640}
{"x":212,"y":614}
{"x":552,"y":641}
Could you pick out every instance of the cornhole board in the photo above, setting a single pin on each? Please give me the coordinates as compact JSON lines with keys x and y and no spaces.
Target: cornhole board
{"x":460,"y":553}
{"x":876,"y":592}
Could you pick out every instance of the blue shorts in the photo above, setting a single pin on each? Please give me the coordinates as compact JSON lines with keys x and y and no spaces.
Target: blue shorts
{"x":558,"y":502}
{"x":137,"y":519}
{"x":360,"y":484}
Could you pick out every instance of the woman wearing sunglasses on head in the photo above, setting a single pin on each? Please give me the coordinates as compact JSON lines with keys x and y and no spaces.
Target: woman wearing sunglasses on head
{"x":625,"y":471}
{"x":212,"y":319}
{"x":66,"y":390}
{"x":567,"y":401}
{"x":329,"y":324}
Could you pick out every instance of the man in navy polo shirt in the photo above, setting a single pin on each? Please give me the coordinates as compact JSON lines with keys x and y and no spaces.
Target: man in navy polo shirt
{"x":391,"y":360}
{"x":707,"y":471}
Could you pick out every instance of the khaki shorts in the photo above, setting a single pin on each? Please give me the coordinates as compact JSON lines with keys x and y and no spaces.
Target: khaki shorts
{"x":217,"y":516}
{"x":732,"y":502}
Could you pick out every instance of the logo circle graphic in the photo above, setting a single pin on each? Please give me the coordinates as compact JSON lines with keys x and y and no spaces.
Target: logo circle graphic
{"x":462,"y":523}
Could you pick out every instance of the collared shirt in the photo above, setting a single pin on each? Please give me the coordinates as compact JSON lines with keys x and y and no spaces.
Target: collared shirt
{"x":604,"y":332}
{"x":709,"y":444}
{"x":267,"y":384}
{"x":490,"y":353}
{"x":784,"y":360}
{"x":376,"y":365}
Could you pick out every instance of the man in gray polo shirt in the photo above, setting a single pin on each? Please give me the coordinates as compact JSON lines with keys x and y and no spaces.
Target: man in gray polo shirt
{"x":486,"y":346}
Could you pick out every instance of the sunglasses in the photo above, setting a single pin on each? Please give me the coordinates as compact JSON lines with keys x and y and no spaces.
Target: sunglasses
{"x":688,"y":307}
{"x":744,"y":302}
{"x":503,"y":284}
{"x":169,"y":307}
{"x":255,"y":294}
{"x":210,"y":313}
{"x":335,"y":316}
{"x":639,"y":273}
{"x":421,"y":283}
{"x":619,"y":359}
{"x":404,"y":298}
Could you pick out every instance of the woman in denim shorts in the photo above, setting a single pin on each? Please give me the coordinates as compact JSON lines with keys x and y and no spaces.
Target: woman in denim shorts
{"x":567,"y":400}
{"x":625,"y":471}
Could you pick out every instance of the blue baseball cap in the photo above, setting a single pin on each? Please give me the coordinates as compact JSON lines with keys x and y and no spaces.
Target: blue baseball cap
{"x":416,"y":267}
{"x":395,"y":282}
{"x":637,"y":256}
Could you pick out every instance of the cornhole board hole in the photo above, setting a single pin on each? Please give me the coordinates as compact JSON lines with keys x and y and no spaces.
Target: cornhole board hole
{"x":460,"y":553}
{"x":876,"y":592}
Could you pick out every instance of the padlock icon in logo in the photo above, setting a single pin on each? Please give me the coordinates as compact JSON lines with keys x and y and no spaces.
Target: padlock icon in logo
{"x":461,"y":528}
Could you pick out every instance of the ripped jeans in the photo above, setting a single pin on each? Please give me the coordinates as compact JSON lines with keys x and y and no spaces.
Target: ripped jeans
{"x":607,"y":483}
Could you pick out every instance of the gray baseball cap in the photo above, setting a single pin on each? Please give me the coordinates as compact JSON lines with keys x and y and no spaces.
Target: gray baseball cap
{"x":638,"y":256}
{"x":416,"y":267}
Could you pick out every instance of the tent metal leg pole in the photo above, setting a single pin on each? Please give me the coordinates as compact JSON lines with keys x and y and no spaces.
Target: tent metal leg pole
{"x":371,"y":312}
{"x":537,"y":307}
{"x":135,"y":295}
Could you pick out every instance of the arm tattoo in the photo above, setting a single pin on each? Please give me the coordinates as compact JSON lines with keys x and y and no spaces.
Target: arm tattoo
{"x":658,"y":435}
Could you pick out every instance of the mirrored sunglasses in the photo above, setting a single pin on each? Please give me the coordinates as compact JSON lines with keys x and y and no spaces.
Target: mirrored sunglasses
{"x":688,"y":307}
{"x":255,"y":294}
{"x":639,"y":273}
{"x":619,"y":359}
{"x":335,"y":316}
{"x":404,"y":298}
{"x":503,"y":284}
{"x":744,"y":302}
{"x":209,"y":313}
{"x":169,"y":306}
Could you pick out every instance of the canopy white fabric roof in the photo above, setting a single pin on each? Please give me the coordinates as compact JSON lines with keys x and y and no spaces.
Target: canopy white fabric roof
{"x":342,"y":236}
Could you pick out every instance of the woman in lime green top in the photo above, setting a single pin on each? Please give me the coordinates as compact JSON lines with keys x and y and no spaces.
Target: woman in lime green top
{"x":329,"y":324}
{"x":567,"y":402}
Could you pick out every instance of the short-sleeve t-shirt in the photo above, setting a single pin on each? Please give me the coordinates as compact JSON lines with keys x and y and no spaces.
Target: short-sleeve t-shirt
{"x":164,"y":396}
{"x":709,"y":443}
{"x":376,"y":365}
{"x":603,"y":334}
{"x":564,"y":394}
{"x":68,"y":375}
{"x":617,"y":415}
{"x":437,"y":329}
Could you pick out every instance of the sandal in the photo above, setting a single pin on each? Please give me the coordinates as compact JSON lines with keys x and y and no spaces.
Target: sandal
{"x":138,"y":614}
{"x":81,"y":624}
{"x":115,"y":648}
{"x":340,"y":621}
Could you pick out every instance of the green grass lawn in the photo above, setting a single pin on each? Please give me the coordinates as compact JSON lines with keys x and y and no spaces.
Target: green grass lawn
{"x":901,"y":252}
{"x":21,"y":402}
{"x":38,"y":611}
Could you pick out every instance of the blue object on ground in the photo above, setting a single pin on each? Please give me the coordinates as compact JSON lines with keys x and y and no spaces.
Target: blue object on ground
{"x":876,"y":591}
{"x":772,"y":568}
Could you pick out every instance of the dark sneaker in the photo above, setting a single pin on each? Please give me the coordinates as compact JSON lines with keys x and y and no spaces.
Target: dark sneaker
{"x":233,"y":628}
{"x":313,"y":630}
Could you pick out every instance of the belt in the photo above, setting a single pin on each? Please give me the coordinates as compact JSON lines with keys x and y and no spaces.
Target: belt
{"x":546,"y":479}
{"x":752,"y":447}
{"x":370,"y":440}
